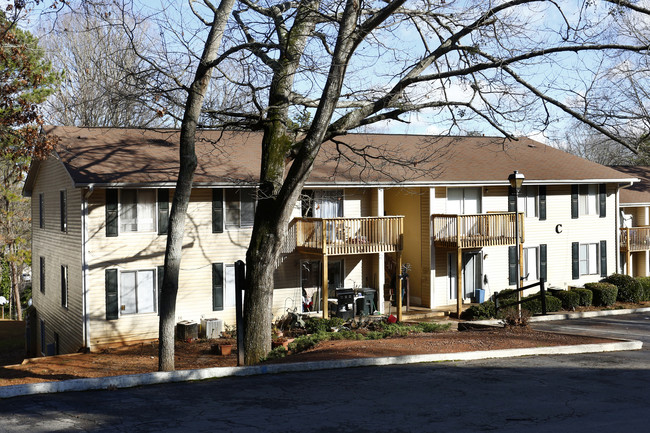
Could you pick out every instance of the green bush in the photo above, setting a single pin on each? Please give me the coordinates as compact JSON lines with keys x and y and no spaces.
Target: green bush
{"x":535,"y":305}
{"x":570,"y":300}
{"x":604,"y":293}
{"x":586,"y":296}
{"x":629,"y":289}
{"x":317,"y":324}
{"x":645,"y":285}
{"x":479,"y":311}
{"x":277,"y":353}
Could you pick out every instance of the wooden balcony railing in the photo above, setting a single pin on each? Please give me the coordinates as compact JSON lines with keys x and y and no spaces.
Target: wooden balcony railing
{"x":635,"y":239}
{"x":339,"y":236}
{"x":476,"y":231}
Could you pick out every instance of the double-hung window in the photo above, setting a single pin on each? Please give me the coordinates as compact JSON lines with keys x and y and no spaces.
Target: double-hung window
{"x":138,"y":210}
{"x":63,"y":208}
{"x":64,"y":286}
{"x":137,"y":292}
{"x":589,"y":259}
{"x":588,"y":200}
{"x":240,"y":207}
{"x":42,"y":274}
{"x":528,"y":201}
{"x":41,"y":210}
{"x":531,"y":264}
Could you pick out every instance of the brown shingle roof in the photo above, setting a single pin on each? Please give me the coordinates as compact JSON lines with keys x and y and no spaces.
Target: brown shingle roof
{"x":112,"y":156}
{"x":638,"y":193}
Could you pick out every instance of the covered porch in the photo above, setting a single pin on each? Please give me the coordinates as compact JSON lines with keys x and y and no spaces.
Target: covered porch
{"x":461,"y":233}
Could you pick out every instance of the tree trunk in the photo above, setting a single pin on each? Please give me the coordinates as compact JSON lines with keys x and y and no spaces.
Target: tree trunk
{"x":188,"y":163}
{"x":14,"y":290}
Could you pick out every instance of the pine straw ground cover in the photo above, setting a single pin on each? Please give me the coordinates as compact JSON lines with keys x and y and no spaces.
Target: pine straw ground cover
{"x":142,"y":358}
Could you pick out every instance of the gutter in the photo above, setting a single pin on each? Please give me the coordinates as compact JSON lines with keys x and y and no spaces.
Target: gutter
{"x":84,"y":264}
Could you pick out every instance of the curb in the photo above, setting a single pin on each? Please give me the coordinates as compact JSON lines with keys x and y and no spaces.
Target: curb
{"x":567,"y":316}
{"x":129,"y":381}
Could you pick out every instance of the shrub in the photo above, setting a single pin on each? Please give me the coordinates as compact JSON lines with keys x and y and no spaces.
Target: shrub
{"x":586,"y":296}
{"x":277,"y":353}
{"x":629,"y":289}
{"x":570,"y":299}
{"x":316,"y":324}
{"x":535,"y":305}
{"x":604,"y":293}
{"x":511,"y":317}
{"x":645,"y":285}
{"x":479,"y":311}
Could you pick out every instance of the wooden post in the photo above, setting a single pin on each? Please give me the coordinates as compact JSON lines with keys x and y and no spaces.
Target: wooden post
{"x":459,"y":282}
{"x":325,"y":290}
{"x":398,"y":284}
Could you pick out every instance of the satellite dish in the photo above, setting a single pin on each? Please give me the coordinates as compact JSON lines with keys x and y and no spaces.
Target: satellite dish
{"x":3,"y":300}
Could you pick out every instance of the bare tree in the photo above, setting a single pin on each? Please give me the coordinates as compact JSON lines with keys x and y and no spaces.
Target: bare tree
{"x":102,"y":83}
{"x":349,"y":64}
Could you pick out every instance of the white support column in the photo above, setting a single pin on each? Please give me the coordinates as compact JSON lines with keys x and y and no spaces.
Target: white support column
{"x":381,"y":272}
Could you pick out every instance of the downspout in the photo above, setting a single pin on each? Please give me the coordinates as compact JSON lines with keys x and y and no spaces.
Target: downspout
{"x":84,"y":265}
{"x":617,"y":237}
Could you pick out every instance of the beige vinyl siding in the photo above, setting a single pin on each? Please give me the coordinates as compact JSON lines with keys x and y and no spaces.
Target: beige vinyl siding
{"x":141,"y":251}
{"x":58,"y":248}
{"x":585,"y":229}
{"x":425,"y":250}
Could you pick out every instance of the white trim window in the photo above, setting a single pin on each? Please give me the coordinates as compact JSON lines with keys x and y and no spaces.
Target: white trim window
{"x":240,"y":207}
{"x":528,"y":201}
{"x":137,"y":210}
{"x":138,"y":292}
{"x":588,"y":200}
{"x":531,"y":264}
{"x":589,"y":259}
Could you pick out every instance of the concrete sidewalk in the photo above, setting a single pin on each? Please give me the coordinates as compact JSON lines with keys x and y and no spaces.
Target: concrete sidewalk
{"x":114,"y":382}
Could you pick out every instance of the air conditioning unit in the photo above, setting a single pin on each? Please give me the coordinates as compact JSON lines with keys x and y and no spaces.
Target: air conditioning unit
{"x":211,"y":328}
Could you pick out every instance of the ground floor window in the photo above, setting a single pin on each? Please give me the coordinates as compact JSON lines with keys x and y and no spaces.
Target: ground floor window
{"x":588,"y":259}
{"x":531,"y":264}
{"x":137,"y":292}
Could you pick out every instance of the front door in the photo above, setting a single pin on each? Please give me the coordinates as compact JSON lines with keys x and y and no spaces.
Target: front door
{"x":472,"y":273}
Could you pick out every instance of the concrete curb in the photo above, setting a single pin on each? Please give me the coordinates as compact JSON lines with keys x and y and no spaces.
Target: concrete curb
{"x":568,"y":316}
{"x":129,"y":381}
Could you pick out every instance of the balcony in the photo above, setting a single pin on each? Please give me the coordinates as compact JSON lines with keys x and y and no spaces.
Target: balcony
{"x":341,"y":236}
{"x":476,"y":231}
{"x":635,"y":239}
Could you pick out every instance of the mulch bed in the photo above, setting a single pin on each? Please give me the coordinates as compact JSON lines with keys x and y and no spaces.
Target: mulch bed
{"x":143,"y":358}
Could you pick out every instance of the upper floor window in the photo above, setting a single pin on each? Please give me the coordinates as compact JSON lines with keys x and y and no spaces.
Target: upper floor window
{"x":463,"y":201}
{"x":528,"y":201}
{"x":137,"y":210}
{"x":240,"y":207}
{"x":588,"y":200}
{"x":322,"y":203}
{"x":41,"y":210}
{"x":63,"y":208}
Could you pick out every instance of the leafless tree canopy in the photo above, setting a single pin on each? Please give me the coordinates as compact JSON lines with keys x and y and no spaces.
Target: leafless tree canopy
{"x":307,"y":71}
